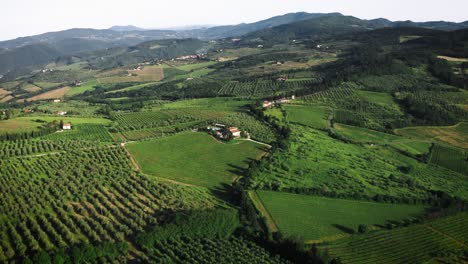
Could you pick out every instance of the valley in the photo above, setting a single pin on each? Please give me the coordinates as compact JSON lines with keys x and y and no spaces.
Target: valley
{"x":304,"y":138}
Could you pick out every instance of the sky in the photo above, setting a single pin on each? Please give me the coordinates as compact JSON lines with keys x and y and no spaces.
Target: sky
{"x":30,"y":17}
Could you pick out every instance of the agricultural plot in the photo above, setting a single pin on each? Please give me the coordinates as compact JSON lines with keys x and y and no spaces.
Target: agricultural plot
{"x":47,"y":85}
{"x":31,"y":88}
{"x":456,"y":136}
{"x":53,"y":94}
{"x":199,"y":250}
{"x":321,"y":219}
{"x":329,"y":96}
{"x":413,"y":244}
{"x":308,"y":115}
{"x":316,"y":162}
{"x":32,"y":147}
{"x":84,"y":87}
{"x":151,"y":73}
{"x":90,"y":132}
{"x":219,"y":104}
{"x":82,"y":196}
{"x":263,"y":88}
{"x":74,"y":108}
{"x":7,"y":98}
{"x":450,"y":158}
{"x":257,"y":129}
{"x":195,"y":158}
{"x":16,"y":125}
{"x":66,"y":119}
{"x":364,"y":135}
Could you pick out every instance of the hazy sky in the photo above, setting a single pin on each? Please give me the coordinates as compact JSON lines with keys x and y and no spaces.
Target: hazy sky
{"x":29,"y":17}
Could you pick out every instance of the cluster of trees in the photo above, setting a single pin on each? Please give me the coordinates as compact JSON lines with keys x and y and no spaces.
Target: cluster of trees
{"x":87,"y":253}
{"x":43,"y":130}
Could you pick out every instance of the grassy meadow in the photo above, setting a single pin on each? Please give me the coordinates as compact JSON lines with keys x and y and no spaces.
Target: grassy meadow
{"x":454,"y":135}
{"x":194,"y":158}
{"x":323,"y":219}
{"x":317,"y":161}
{"x":308,"y":115}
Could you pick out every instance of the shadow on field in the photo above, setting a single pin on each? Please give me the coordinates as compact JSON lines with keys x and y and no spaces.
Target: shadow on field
{"x":237,"y":170}
{"x":224,"y":192}
{"x":344,"y":228}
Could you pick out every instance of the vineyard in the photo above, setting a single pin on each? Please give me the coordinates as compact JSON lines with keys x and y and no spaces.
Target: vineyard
{"x":258,"y":130}
{"x":450,"y":158}
{"x":91,"y":132}
{"x":30,"y":147}
{"x":81,"y":196}
{"x":140,"y":125}
{"x":414,"y":244}
{"x":263,"y":88}
{"x":345,"y":90}
{"x":200,"y":250}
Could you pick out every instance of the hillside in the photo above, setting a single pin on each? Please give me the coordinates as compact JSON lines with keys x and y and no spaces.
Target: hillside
{"x":316,"y":139}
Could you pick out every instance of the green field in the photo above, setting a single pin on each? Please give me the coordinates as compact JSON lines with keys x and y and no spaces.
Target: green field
{"x":87,"y":86}
{"x":454,"y":135}
{"x":66,"y":119}
{"x":450,"y":158}
{"x":90,"y":132}
{"x":220,"y":104}
{"x":194,"y":158}
{"x":414,"y":244}
{"x":313,"y":116}
{"x":377,"y":97}
{"x":18,"y":125}
{"x":323,"y":219}
{"x":316,"y":161}
{"x":364,"y":135}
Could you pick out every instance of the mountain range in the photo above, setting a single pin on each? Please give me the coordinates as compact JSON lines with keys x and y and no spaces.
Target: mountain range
{"x":39,"y":49}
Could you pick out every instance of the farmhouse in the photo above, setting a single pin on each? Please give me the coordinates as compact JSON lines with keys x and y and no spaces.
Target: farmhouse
{"x":267,"y":104}
{"x":57,"y":100}
{"x":62,"y":113}
{"x":235,"y":132}
{"x":77,"y":83}
{"x":66,"y":126}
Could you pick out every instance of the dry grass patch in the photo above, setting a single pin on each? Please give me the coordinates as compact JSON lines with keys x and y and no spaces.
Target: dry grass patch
{"x":57,"y":93}
{"x":3,"y":92}
{"x":31,"y":88}
{"x":6,"y":99}
{"x":452,"y":59}
{"x":152,"y":73}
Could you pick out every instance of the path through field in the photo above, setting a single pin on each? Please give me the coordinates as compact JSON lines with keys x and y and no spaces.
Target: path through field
{"x":271,"y":225}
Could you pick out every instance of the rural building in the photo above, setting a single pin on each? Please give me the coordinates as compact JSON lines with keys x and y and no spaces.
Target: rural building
{"x":28,"y":111}
{"x":62,"y":113}
{"x":77,"y":83}
{"x":283,"y":101}
{"x":66,"y":126}
{"x":57,"y":100}
{"x":267,"y":104}
{"x":235,"y":132}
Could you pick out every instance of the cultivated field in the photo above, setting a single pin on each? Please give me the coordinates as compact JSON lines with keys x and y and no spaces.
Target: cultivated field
{"x":321,"y":219}
{"x":364,"y":135}
{"x":146,"y":74}
{"x":453,"y":135}
{"x":57,"y":93}
{"x":308,"y":115}
{"x":450,"y":158}
{"x":18,"y":125}
{"x":315,"y":161}
{"x":194,"y":158}
{"x":414,"y":244}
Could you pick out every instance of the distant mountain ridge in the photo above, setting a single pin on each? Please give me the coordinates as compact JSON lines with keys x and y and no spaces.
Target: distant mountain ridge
{"x":45,"y":47}
{"x":126,"y":28}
